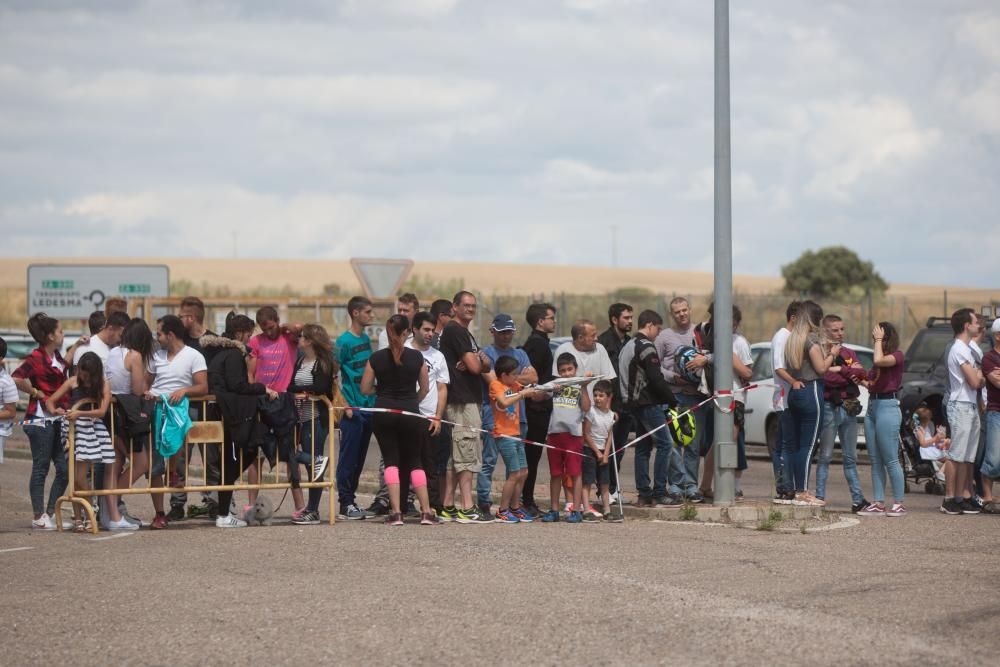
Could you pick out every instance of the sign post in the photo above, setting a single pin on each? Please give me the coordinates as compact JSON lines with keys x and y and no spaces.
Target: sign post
{"x":74,"y":291}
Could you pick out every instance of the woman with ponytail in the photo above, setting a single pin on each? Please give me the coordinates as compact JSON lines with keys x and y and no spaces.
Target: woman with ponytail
{"x":397,"y":375}
{"x":806,"y":360}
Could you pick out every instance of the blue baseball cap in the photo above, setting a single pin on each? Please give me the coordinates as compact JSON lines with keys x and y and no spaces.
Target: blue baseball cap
{"x":503,"y":323}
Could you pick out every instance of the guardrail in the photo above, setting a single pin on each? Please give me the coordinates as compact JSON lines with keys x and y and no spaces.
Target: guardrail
{"x":204,"y":433}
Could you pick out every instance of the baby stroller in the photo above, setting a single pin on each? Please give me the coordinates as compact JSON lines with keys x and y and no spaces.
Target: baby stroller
{"x":915,"y":468}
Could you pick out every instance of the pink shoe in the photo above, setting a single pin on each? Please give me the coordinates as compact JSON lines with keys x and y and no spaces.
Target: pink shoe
{"x":896,"y":510}
{"x":873,"y":509}
{"x":298,"y":514}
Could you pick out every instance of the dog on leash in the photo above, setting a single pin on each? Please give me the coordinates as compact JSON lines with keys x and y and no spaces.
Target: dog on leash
{"x":261,"y":511}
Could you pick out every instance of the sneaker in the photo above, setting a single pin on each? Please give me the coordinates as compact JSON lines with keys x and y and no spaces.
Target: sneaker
{"x":377,"y":508}
{"x":228,"y":521}
{"x":483,"y":518}
{"x":394,"y":519}
{"x":43,"y":522}
{"x":857,"y":507}
{"x":873,"y":509}
{"x":429,"y":519}
{"x":523,"y":515}
{"x":195,"y":511}
{"x":122,"y":524}
{"x":614,"y":516}
{"x":307,"y":518}
{"x":552,"y":516}
{"x":176,"y":513}
{"x":484,"y":508}
{"x":784,"y":497}
{"x":532,"y":509}
{"x":969,"y":506}
{"x":951,"y":506}
{"x":644,"y":501}
{"x":574,"y":517}
{"x":466,"y":516}
{"x":506,"y":516}
{"x":589,"y":517}
{"x":448,"y":514}
{"x":352,"y":513}
{"x":806,"y":500}
{"x":319,"y":467}
{"x":695,"y":498}
{"x":160,"y":522}
{"x":739,"y":495}
{"x":991,"y":508}
{"x":668,"y":501}
{"x":896,"y":510}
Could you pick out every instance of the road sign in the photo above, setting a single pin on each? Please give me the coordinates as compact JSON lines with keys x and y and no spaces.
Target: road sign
{"x":74,"y":291}
{"x":381,"y":278}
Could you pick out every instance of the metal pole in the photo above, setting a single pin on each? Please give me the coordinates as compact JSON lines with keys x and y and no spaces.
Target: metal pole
{"x":722,"y":319}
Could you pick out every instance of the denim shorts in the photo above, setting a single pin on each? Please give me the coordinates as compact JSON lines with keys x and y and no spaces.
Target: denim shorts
{"x":991,"y":459}
{"x":963,"y":418}
{"x":512,"y":452}
{"x":594,"y":472}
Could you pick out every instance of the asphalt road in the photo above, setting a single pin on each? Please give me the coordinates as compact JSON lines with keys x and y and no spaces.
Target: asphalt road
{"x":882,"y":591}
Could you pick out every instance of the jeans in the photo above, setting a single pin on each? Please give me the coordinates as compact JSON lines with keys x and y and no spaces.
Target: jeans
{"x":355,"y":435}
{"x":684,"y":476}
{"x":991,"y":456}
{"x":46,"y":447}
{"x":648,"y":418}
{"x":484,"y":480}
{"x":306,"y":457}
{"x":802,"y":419}
{"x":623,"y":427}
{"x":836,"y":422}
{"x":882,"y":437}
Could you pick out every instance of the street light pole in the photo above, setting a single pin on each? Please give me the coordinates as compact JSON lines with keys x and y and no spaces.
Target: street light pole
{"x":722,"y":318}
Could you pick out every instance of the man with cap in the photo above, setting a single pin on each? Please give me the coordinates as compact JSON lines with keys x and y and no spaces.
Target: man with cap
{"x":503,"y":331}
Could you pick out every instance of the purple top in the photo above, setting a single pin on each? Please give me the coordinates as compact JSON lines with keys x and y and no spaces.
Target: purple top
{"x":991,"y":361}
{"x":887,"y":380}
{"x":839,"y":382}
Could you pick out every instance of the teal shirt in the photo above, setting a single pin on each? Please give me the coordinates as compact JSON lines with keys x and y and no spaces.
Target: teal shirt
{"x":352,"y":353}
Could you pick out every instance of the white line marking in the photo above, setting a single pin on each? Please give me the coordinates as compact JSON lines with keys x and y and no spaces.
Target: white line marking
{"x":109,"y":537}
{"x":7,"y":551}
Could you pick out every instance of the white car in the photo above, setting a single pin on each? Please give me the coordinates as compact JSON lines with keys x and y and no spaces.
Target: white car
{"x":761,"y":421}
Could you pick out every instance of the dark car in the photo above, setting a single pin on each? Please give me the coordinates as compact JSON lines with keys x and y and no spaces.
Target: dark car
{"x":925,"y":375}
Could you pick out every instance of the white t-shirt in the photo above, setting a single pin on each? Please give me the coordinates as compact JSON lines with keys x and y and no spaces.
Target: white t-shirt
{"x":596,"y":362}
{"x":95,"y":345}
{"x":601,"y":424}
{"x":437,"y":373}
{"x":958,"y":355}
{"x":178,"y":372}
{"x":781,"y":388}
{"x":383,"y":340}
{"x":8,"y":395}
{"x":741,"y":347}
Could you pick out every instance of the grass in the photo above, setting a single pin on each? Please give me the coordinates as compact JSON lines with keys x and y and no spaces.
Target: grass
{"x":771,"y":521}
{"x":688,"y":512}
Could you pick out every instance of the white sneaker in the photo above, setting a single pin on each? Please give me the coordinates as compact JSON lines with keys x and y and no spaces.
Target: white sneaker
{"x":230,"y":521}
{"x":43,"y":522}
{"x":121,"y":524}
{"x":320,"y":467}
{"x":613,"y":498}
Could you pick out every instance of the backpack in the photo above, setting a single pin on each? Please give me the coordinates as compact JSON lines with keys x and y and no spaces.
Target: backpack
{"x":171,"y":425}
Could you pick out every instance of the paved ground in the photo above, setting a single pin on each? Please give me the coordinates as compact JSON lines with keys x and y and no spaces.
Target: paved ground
{"x":882,"y":591}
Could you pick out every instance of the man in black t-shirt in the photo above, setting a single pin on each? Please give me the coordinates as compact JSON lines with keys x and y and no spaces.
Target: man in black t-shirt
{"x":466,"y":363}
{"x":614,"y":339}
{"x":541,"y":317}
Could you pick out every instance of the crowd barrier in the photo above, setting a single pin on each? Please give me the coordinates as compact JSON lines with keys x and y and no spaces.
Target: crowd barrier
{"x":203,"y":434}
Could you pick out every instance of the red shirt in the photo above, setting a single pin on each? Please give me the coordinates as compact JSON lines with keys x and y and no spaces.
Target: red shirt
{"x":991,"y":362}
{"x":839,"y":382}
{"x":887,"y":379}
{"x":37,"y":368}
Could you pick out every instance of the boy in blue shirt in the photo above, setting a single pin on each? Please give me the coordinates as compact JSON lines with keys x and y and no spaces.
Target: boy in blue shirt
{"x":354,"y":346}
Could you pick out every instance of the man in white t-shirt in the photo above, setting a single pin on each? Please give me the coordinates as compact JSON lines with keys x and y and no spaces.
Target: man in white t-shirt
{"x":437,"y":447}
{"x":965,"y":379}
{"x":179,"y":371}
{"x":782,"y":385}
{"x":8,"y":400}
{"x":591,"y":357}
{"x":108,"y":337}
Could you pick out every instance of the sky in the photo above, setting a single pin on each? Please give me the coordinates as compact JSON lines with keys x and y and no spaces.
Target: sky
{"x":517,"y":131}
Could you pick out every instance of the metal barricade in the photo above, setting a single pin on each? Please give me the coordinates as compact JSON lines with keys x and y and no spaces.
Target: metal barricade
{"x":203,"y":434}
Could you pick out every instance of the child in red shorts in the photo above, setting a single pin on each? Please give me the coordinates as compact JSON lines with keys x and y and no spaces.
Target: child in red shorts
{"x":569,"y":406}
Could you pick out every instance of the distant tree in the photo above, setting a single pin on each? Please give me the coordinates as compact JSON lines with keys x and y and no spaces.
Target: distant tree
{"x":630,"y":293}
{"x":833,"y":271}
{"x":331,"y":289}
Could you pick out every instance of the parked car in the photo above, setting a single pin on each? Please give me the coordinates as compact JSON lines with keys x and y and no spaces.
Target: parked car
{"x":554,"y":343}
{"x":925,"y":376}
{"x":19,"y":345}
{"x":761,"y":420}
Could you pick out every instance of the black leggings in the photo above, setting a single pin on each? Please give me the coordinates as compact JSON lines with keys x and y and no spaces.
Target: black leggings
{"x":399,"y":439}
{"x":538,"y":430}
{"x":231,"y":459}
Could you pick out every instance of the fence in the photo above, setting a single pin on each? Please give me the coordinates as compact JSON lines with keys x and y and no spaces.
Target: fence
{"x":204,"y":433}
